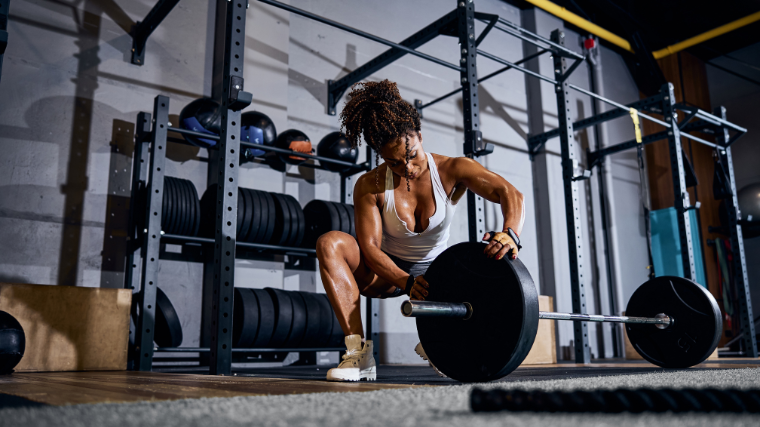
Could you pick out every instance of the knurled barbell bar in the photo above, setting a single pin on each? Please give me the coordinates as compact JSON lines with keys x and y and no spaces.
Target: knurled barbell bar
{"x":670,"y":321}
{"x":413,"y":308}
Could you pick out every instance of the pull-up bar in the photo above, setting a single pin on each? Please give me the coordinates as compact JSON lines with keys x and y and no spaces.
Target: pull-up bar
{"x":360,"y":33}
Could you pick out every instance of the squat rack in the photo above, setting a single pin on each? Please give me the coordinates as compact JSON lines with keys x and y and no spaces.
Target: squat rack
{"x":664,"y":104}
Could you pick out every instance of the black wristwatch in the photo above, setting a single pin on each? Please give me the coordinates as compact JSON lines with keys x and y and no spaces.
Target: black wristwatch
{"x":409,"y":285}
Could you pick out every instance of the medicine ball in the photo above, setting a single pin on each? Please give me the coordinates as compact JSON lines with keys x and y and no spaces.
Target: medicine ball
{"x":336,"y":146}
{"x":202,"y":115}
{"x":290,"y":139}
{"x":256,"y":128}
{"x":12,"y":343}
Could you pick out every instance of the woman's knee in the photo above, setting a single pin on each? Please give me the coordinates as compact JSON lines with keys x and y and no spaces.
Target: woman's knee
{"x":335,"y":243}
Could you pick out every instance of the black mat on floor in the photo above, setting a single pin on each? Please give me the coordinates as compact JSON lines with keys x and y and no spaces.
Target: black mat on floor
{"x":395,"y":374}
{"x":11,"y":401}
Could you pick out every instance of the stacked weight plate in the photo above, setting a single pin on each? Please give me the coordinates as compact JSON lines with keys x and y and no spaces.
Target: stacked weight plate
{"x":274,"y":318}
{"x":323,"y":216}
{"x":263,"y":217}
{"x":181,"y":210}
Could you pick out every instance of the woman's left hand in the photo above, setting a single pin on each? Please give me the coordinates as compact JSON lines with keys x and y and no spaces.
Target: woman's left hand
{"x":499,"y":245}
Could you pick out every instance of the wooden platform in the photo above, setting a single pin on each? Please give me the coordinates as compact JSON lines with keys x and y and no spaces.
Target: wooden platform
{"x":67,"y":388}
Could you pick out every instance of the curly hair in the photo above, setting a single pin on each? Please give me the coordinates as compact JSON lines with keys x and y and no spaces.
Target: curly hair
{"x":377,"y":111}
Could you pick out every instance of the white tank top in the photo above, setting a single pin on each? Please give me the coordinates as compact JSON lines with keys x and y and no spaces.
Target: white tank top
{"x":399,"y":241}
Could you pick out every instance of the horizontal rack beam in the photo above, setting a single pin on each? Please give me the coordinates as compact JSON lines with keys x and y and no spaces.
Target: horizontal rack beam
{"x":244,"y":350}
{"x":288,"y":250}
{"x":556,"y":46}
{"x":360,"y":33}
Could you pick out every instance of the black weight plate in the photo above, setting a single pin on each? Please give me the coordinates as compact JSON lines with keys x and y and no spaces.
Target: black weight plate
{"x":293,"y":220}
{"x":505,"y":314}
{"x":266,"y":319}
{"x":257,"y":231}
{"x":268,"y":213}
{"x":244,"y":214}
{"x":208,"y":206}
{"x":298,"y":329}
{"x":696,"y":327}
{"x":313,"y":320}
{"x":196,"y":208}
{"x":283,"y":310}
{"x":320,"y":217}
{"x":165,"y":202}
{"x":187,"y":203}
{"x":179,"y":210}
{"x":167,"y":328}
{"x":245,"y":318}
{"x":296,"y":221}
{"x":345,"y":225}
{"x":352,"y":219}
{"x":169,"y":188}
{"x":282,"y":221}
{"x":325,"y":330}
{"x":184,"y":223}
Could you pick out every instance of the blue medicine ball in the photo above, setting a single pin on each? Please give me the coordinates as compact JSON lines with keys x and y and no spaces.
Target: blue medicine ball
{"x":257,"y":128}
{"x":202,"y":115}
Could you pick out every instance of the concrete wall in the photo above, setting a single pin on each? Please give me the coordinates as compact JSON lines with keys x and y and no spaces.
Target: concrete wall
{"x":70,"y":97}
{"x":740,"y":96}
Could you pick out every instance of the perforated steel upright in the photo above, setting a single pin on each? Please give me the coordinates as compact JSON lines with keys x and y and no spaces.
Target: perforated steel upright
{"x":151,"y":238}
{"x":572,"y":200}
{"x":473,"y":138}
{"x":225,"y":222}
{"x":746,"y":315}
{"x":681,"y":195}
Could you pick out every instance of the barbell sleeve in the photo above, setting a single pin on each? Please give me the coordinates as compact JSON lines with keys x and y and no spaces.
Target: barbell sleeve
{"x":413,"y":308}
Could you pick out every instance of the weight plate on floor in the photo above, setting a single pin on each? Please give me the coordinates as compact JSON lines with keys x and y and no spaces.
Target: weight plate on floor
{"x":266,"y":319}
{"x":283,"y":311}
{"x":696,"y":327}
{"x":320,"y":217}
{"x":345,"y":220}
{"x":325,"y":329}
{"x":257,"y":231}
{"x":313,"y":320}
{"x":297,"y":221}
{"x":196,"y":207}
{"x":245,"y":318}
{"x":244,"y":213}
{"x":282,"y":221}
{"x":351,"y":219}
{"x":298,"y":329}
{"x":505,"y":314}
{"x":268,"y":213}
{"x":167,"y":328}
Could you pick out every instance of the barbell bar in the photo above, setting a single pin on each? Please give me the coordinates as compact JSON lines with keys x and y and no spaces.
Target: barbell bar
{"x":416,"y":308}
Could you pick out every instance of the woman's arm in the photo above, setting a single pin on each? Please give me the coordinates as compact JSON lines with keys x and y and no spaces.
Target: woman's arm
{"x":496,"y":189}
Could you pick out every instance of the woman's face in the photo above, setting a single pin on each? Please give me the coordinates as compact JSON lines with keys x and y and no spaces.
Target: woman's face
{"x":394,"y":154}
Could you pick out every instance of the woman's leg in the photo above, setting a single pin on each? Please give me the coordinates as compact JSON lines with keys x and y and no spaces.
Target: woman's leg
{"x":345,"y":277}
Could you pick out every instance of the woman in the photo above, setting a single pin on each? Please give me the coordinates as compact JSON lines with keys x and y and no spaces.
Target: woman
{"x":404,"y":208}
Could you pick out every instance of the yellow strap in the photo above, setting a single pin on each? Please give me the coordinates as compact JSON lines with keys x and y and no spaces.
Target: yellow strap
{"x":636,"y":127}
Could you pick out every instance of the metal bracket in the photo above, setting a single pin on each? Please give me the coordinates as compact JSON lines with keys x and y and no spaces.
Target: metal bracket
{"x":238,"y":99}
{"x":143,"y":29}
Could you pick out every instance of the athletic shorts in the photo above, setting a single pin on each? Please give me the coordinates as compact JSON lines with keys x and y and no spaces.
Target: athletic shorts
{"x":412,"y":268}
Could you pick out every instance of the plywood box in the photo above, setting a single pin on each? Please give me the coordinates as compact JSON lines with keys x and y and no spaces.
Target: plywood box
{"x":544,"y":349}
{"x":70,"y":328}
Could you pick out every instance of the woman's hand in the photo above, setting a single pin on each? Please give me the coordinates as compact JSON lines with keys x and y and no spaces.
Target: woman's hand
{"x":419,"y":289}
{"x":499,"y":245}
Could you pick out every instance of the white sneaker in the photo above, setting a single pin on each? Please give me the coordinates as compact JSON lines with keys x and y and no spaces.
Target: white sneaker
{"x":358,"y":363}
{"x":420,"y":352}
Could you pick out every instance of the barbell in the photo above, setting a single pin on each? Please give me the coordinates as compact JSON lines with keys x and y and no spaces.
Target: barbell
{"x":480,"y":317}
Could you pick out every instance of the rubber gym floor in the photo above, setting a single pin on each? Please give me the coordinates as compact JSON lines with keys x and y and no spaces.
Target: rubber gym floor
{"x":27,"y":398}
